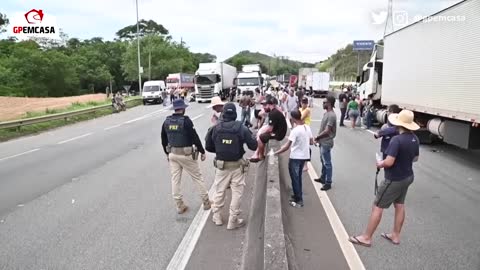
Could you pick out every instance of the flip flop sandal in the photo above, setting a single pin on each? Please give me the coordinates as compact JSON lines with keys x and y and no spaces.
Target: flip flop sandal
{"x":354,"y":240}
{"x":385,"y":236}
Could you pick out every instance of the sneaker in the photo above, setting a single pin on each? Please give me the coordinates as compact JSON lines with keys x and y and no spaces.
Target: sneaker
{"x":320,"y":180}
{"x":207,"y":204}
{"x":217,"y":219}
{"x":235,"y":223}
{"x":182,"y":209}
{"x":296,"y":204}
{"x":326,"y":187}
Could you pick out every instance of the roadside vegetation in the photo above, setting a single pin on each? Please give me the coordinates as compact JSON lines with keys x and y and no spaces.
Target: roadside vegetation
{"x":11,"y":133}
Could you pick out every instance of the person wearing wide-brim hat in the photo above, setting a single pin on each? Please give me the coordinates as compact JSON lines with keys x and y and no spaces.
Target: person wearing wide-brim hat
{"x":217,"y":106}
{"x":178,"y":138}
{"x":402,"y":152}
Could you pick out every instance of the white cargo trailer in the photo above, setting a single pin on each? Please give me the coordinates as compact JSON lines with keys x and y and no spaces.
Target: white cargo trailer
{"x":432,"y":67}
{"x":213,"y":79}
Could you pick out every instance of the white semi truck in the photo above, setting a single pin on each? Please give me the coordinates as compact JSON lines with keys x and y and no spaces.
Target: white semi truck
{"x":249,"y":80}
{"x":431,"y":67}
{"x":213,"y":79}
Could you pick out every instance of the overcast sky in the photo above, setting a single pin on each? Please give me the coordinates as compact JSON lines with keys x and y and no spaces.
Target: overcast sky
{"x":306,"y":30}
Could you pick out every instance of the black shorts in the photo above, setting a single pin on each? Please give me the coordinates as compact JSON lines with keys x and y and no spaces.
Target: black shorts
{"x":392,"y":192}
{"x":265,"y":137}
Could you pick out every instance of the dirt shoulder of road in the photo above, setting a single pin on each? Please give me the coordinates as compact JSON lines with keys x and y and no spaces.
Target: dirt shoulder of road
{"x":12,"y":108}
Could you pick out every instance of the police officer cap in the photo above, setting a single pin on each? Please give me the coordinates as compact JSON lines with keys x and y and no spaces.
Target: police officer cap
{"x":230,"y":111}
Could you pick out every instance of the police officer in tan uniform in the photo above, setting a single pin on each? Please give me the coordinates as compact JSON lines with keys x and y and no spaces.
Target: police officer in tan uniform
{"x":226,"y":140}
{"x":181,"y":144}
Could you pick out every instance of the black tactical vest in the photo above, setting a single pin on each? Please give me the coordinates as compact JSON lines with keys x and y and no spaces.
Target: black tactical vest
{"x":177,"y":137}
{"x":228,"y":141}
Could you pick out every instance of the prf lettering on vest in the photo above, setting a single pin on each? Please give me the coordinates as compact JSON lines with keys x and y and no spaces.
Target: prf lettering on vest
{"x":227,"y":141}
{"x":173,"y":127}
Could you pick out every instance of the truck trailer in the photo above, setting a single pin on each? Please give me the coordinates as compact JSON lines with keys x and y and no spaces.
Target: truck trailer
{"x":180,"y":80}
{"x":432,"y":68}
{"x":213,"y":79}
{"x":319,"y":82}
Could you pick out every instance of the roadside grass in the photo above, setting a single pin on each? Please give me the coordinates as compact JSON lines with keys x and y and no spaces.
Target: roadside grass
{"x":11,"y":133}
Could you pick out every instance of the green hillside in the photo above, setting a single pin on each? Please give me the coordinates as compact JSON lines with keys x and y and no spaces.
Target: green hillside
{"x":343,"y":64}
{"x":270,"y":65}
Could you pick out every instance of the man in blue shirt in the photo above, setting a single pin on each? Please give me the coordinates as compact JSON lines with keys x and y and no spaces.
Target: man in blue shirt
{"x":402,"y":151}
{"x":388,"y":131}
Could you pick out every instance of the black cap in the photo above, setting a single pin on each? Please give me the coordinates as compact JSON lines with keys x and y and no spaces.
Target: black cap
{"x":230,"y":111}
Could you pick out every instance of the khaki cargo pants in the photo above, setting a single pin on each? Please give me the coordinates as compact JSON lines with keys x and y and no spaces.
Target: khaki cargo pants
{"x":236,"y":180}
{"x":177,"y":164}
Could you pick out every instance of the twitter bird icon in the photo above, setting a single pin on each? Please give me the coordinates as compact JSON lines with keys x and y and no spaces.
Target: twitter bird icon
{"x":379,"y":17}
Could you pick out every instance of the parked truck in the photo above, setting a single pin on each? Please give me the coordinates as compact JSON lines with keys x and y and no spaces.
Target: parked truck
{"x":213,"y":79}
{"x":249,"y":79}
{"x":302,"y":76}
{"x":319,"y":82}
{"x":431,"y":67}
{"x":180,"y":80}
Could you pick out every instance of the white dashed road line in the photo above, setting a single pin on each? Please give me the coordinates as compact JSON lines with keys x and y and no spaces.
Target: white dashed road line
{"x":198,"y":116}
{"x":112,"y":127}
{"x":349,"y":251}
{"x":76,"y":138}
{"x":21,"y":154}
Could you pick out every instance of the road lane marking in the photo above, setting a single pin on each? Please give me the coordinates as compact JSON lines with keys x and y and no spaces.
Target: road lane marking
{"x":184,"y":251}
{"x":76,"y":138}
{"x":112,"y":127}
{"x":137,"y":119}
{"x":198,"y":116}
{"x":21,"y":154}
{"x":349,"y":251}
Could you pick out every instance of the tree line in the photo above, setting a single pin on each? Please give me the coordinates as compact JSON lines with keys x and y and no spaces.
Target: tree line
{"x":41,"y":67}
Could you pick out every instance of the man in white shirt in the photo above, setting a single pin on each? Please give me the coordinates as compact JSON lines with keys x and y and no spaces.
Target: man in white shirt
{"x":300,"y":139}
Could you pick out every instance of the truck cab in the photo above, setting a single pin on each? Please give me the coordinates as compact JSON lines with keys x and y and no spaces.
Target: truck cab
{"x":152,"y":92}
{"x":248,"y":82}
{"x":250,"y":79}
{"x":370,"y":80}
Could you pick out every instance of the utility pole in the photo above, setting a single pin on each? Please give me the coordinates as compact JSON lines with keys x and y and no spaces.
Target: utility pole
{"x":140,"y":71}
{"x":150,"y":65}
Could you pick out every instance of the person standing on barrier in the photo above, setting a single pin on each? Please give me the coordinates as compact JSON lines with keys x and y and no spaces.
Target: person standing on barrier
{"x":327,"y":132}
{"x":402,"y":152}
{"x":276,"y":129}
{"x":299,"y":140}
{"x":226,"y":140}
{"x":181,"y":144}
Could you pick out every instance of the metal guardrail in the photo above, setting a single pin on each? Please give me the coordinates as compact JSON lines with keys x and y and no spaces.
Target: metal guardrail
{"x":41,"y":119}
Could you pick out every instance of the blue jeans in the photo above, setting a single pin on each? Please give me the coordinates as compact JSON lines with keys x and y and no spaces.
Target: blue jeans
{"x":369,"y":119}
{"x":327,"y":168}
{"x":246,"y":116}
{"x":295,"y":168}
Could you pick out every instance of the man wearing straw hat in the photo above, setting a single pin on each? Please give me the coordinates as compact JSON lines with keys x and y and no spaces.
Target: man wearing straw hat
{"x":402,"y":151}
{"x":217,"y":106}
